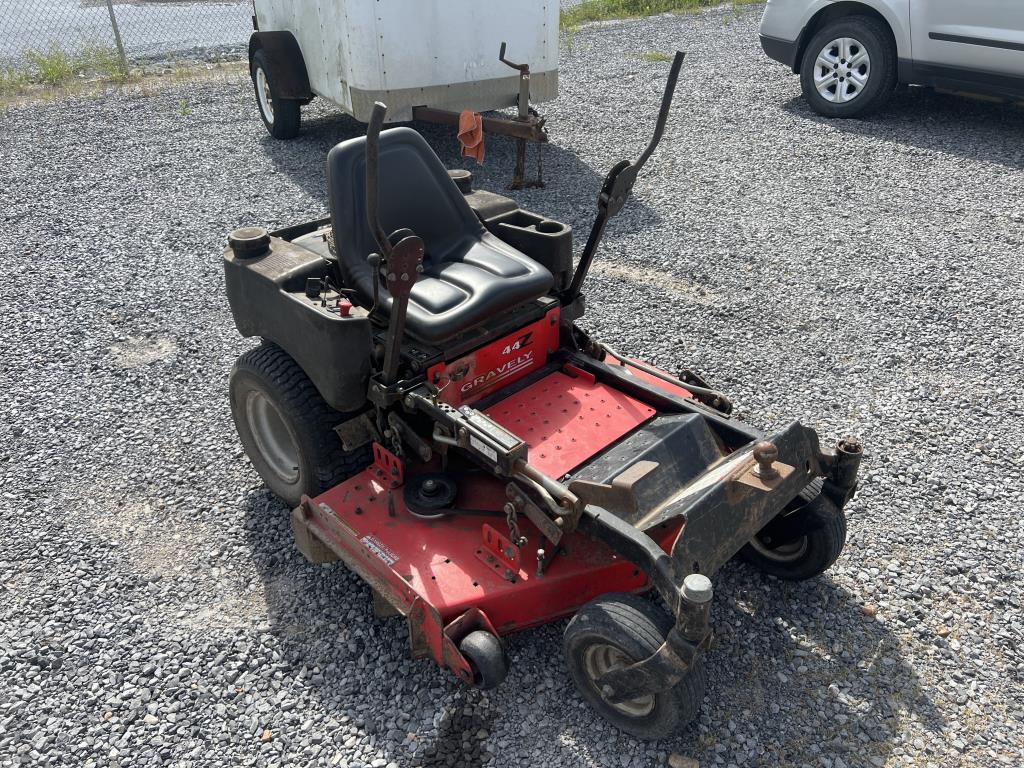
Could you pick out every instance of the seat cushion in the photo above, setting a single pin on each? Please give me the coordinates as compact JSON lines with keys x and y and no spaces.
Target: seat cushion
{"x":468,"y":275}
{"x":453,"y":296}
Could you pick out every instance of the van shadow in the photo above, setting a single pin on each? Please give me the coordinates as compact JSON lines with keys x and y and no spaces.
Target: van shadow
{"x":801,"y":659}
{"x":569,"y":194}
{"x":939,"y":122}
{"x":805,"y":657}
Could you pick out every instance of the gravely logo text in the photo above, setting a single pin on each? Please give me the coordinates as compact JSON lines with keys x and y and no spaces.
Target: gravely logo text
{"x":503,"y":371}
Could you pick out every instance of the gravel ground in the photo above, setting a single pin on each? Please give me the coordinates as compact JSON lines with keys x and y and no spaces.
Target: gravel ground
{"x":864,"y":276}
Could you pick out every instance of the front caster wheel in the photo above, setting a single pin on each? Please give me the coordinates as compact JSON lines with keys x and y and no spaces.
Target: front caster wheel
{"x":487,"y":658}
{"x":615,"y":631}
{"x":807,"y":556}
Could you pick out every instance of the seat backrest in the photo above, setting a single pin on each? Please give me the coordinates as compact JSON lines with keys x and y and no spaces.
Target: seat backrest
{"x":416,"y":192}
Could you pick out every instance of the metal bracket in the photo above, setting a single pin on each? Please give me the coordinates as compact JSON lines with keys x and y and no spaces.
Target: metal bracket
{"x":387,"y":467}
{"x":497,"y":552}
{"x":619,"y":495}
{"x":550,"y":529}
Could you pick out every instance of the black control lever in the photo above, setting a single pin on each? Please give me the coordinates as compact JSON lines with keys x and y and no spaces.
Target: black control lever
{"x":618,"y":185}
{"x":380,"y":110}
{"x":402,"y":262}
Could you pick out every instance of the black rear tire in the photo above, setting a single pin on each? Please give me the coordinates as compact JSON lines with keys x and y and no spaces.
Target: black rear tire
{"x":620,"y":629}
{"x":881,"y":70}
{"x":283,"y":117}
{"x":486,"y":655}
{"x":811,"y":555}
{"x":286,"y":428}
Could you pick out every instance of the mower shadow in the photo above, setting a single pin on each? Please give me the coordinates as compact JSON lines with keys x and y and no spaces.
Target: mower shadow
{"x":782,"y":647}
{"x":569,"y":194}
{"x":922,"y":118}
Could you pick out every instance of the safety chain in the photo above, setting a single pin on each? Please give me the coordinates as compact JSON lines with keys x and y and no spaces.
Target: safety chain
{"x":513,"y":525}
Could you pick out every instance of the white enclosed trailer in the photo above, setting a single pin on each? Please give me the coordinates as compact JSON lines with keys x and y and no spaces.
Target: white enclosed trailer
{"x":425,"y":59}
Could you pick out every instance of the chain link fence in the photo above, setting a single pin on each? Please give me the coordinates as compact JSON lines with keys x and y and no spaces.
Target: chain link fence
{"x":46,"y":39}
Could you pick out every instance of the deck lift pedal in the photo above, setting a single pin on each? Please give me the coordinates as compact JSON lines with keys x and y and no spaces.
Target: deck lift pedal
{"x":425,"y":399}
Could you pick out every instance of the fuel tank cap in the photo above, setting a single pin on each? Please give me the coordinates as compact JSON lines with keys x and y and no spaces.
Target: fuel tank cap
{"x":248,"y":242}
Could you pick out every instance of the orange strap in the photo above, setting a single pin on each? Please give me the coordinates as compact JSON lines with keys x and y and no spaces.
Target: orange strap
{"x":471,"y":135}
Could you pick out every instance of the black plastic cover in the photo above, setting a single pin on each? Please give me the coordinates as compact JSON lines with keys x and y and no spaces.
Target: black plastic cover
{"x":683,"y":447}
{"x":268,"y":299}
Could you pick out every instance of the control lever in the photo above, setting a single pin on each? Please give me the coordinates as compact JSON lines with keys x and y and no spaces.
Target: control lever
{"x":402,"y":260}
{"x":373,"y":177}
{"x":404,"y":264}
{"x":618,"y":185}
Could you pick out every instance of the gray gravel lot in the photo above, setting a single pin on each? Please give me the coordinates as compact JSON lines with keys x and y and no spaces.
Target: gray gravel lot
{"x":865,"y":276}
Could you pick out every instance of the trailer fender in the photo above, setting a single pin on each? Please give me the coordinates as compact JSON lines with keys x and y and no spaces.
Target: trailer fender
{"x":285,"y":56}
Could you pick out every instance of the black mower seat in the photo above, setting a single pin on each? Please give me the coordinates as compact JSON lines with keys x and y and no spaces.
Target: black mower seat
{"x":468,"y":274}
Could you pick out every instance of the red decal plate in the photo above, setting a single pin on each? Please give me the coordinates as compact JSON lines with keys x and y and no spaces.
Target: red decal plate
{"x":498,"y":364}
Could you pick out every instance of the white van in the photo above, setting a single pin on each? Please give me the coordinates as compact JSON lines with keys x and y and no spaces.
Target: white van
{"x":850,"y":55}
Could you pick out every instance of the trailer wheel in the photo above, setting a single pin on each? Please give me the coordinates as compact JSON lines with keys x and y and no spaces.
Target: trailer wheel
{"x":286,"y":428}
{"x":486,"y":655}
{"x":281,"y":116}
{"x":617,"y":630}
{"x":810,"y":555}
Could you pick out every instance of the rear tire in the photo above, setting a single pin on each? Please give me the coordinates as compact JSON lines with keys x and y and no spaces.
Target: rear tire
{"x":283,"y":117}
{"x":286,"y":428}
{"x":849,"y":67}
{"x":617,"y":630}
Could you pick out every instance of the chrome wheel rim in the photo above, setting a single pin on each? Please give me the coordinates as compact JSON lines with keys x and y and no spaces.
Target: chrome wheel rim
{"x":601,"y":658}
{"x":263,"y":94}
{"x":274,"y":438}
{"x":786,"y":553}
{"x":842,"y":70}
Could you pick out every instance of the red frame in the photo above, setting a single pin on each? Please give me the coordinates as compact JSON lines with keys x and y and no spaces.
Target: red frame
{"x":458,"y":573}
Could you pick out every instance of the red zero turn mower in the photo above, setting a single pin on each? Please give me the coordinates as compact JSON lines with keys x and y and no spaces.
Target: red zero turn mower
{"x":425,"y":400}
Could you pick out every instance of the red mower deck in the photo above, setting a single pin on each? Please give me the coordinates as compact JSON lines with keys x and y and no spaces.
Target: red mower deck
{"x":448,"y":563}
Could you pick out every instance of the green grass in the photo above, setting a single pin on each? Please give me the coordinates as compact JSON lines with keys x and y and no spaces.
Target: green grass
{"x":602,"y":10}
{"x":53,"y":67}
{"x":655,"y":56}
{"x":183,"y":108}
{"x":50,"y":67}
{"x":100,"y":60}
{"x":13,"y":80}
